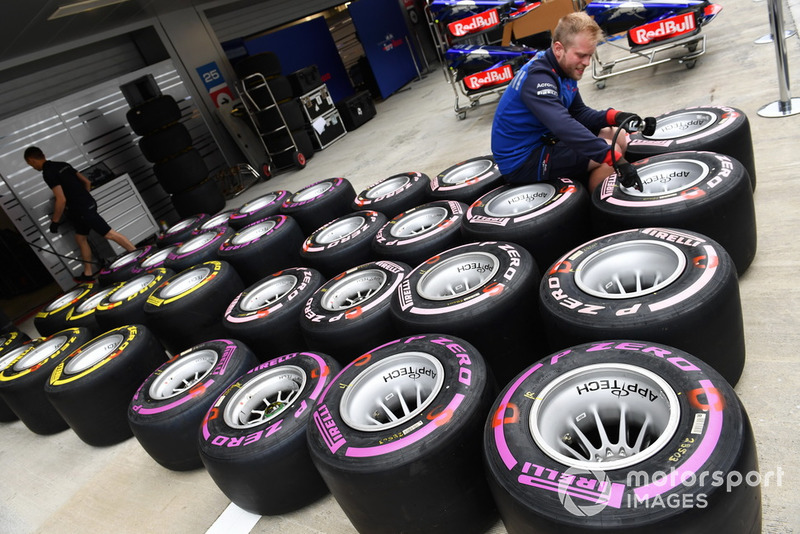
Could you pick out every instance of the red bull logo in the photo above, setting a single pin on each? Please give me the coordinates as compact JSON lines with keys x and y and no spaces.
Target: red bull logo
{"x":475,"y":23}
{"x":663,"y":29}
{"x":487,"y":78}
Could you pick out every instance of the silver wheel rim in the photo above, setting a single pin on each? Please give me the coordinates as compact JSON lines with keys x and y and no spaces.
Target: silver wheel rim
{"x":132,"y":287}
{"x":631,"y":269}
{"x":682,"y":124}
{"x":604,"y":416}
{"x":339,"y":229}
{"x":183,"y":374}
{"x":668,"y":177}
{"x":158,"y":257}
{"x":182,"y":225}
{"x":457,"y":276}
{"x":392,"y":392}
{"x":418,"y":221}
{"x":94,"y":353}
{"x":266,"y":397}
{"x":6,"y":360}
{"x":354,"y":289}
{"x":519,"y":200}
{"x":125,"y":259}
{"x":196,"y":243}
{"x":252,"y":232}
{"x":63,"y":300}
{"x":40,"y":353}
{"x":93,"y":301}
{"x":216,"y":220}
{"x":185,"y":281}
{"x":258,"y":203}
{"x":395,"y":183}
{"x":467,"y":172}
{"x":312,"y":191}
{"x":268,"y":293}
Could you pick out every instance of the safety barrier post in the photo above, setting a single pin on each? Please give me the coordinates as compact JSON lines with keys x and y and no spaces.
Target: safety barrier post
{"x":786,"y":105}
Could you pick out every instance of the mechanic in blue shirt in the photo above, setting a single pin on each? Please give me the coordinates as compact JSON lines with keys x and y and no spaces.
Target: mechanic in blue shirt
{"x":74,"y":201}
{"x":543,"y":130}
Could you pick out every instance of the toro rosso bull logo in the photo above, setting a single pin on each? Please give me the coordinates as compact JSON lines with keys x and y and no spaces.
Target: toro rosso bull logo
{"x":475,"y":23}
{"x":663,"y":29}
{"x":488,"y":78}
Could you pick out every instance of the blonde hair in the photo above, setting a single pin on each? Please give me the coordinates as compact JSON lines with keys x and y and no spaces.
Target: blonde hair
{"x":574,"y":24}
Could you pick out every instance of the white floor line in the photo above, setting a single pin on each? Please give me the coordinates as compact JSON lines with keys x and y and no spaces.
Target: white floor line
{"x":234,"y":520}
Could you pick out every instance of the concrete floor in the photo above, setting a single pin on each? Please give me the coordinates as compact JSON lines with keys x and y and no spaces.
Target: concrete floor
{"x":59,"y":484}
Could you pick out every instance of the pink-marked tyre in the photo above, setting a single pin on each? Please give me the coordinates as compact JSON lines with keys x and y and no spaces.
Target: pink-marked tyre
{"x":125,"y":305}
{"x":13,"y":344}
{"x":84,"y":314}
{"x":622,"y":436}
{"x":720,"y":129}
{"x":53,"y":317}
{"x":466,"y":181}
{"x":343,"y":243}
{"x":92,"y":387}
{"x":482,"y":292}
{"x":395,"y":194}
{"x":661,"y":284}
{"x":697,"y":191}
{"x":263,"y":247}
{"x":181,"y":230}
{"x":198,"y":249}
{"x":319,"y":203}
{"x":397,"y":437}
{"x":419,"y":233}
{"x":256,"y":431}
{"x":547,"y":218}
{"x":351,"y":313}
{"x":154,"y":260}
{"x":266,"y":315}
{"x":217,"y":222}
{"x":121,"y":269}
{"x":23,"y":379}
{"x":261,"y":207}
{"x":170,"y":405}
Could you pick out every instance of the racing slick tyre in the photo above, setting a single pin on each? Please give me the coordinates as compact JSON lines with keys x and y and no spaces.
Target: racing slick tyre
{"x":482,"y":292}
{"x":206,"y":197}
{"x":125,"y":305}
{"x":664,"y":285}
{"x":220,"y":221}
{"x":319,"y":203}
{"x":263,"y":247}
{"x":186,"y":309}
{"x":84,"y":314}
{"x":256,"y":431}
{"x":342,"y":243}
{"x":181,"y":172}
{"x":259,"y":208}
{"x":12,"y":344}
{"x":92,"y":387}
{"x":696,"y":191}
{"x":398,"y":446}
{"x":166,"y":142}
{"x":721,"y":129}
{"x":350,"y":314}
{"x":121,"y":269}
{"x":394,"y":195}
{"x":419,"y":233}
{"x":168,"y":408}
{"x":53,"y":317}
{"x":153,"y":114}
{"x":181,"y":230}
{"x":197,"y":249}
{"x":466,"y":181}
{"x":547,"y":218}
{"x":154,"y":260}
{"x":622,"y":436}
{"x":22,"y":381}
{"x":266,"y":315}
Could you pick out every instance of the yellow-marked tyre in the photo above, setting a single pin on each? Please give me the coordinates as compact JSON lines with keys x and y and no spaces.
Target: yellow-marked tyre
{"x":22,"y":380}
{"x":92,"y":387}
{"x":83,"y":314}
{"x":12,"y":345}
{"x":125,"y":305}
{"x":53,"y":317}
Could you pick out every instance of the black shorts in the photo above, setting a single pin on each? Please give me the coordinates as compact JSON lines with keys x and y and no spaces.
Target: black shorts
{"x":551,"y":161}
{"x":84,"y":221}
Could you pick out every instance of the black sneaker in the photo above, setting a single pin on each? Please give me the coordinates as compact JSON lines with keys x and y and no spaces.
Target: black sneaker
{"x":84,"y":278}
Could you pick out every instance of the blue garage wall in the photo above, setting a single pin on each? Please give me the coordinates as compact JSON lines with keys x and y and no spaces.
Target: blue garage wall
{"x":301,"y":45}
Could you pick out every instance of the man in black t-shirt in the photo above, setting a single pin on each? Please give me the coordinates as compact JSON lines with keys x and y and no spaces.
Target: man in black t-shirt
{"x":73,"y":200}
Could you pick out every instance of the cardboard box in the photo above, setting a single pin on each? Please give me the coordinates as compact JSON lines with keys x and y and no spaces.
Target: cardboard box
{"x":543,"y":18}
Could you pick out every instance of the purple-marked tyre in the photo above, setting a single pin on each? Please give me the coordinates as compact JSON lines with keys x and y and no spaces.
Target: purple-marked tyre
{"x":125,"y":305}
{"x":351,"y":314}
{"x":121,"y":269}
{"x":664,"y":285}
{"x":697,"y":191}
{"x":547,"y":218}
{"x":622,"y":436}
{"x":397,"y":437}
{"x":171,"y":403}
{"x":721,"y":129}
{"x":84,"y":313}
{"x":256,"y":432}
{"x":53,"y":317}
{"x":92,"y":387}
{"x":419,"y":233}
{"x":319,"y":203}
{"x":22,"y":379}
{"x":343,"y":243}
{"x":394,"y":195}
{"x":482,"y":292}
{"x":155,"y":259}
{"x":181,"y":230}
{"x":217,"y":222}
{"x":198,"y":249}
{"x":263,"y":247}
{"x":261,"y":207}
{"x":466,"y":181}
{"x":266,"y":315}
